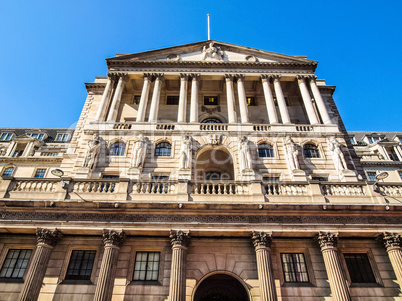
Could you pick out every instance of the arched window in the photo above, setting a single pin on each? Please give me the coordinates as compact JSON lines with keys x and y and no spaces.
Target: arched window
{"x":8,"y":172}
{"x":117,"y":149}
{"x":265,"y":150}
{"x":311,"y":151}
{"x":163,"y":149}
{"x":211,"y":120}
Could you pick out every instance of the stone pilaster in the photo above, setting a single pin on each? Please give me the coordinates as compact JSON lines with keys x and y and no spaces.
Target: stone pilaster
{"x":114,"y":107}
{"x":328,"y":242}
{"x":308,"y":104}
{"x":105,"y":98}
{"x":180,"y":241}
{"x":47,"y":239}
{"x":393,"y":245}
{"x":262,"y":245}
{"x":154,"y":110}
{"x":283,"y":109}
{"x":242,"y":98}
{"x":142,"y":107}
{"x":230,"y":98}
{"x":194,"y":98}
{"x":269,"y":100}
{"x":181,"y":115}
{"x":112,"y":241}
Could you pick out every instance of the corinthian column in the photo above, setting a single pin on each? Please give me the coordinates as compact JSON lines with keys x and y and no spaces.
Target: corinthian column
{"x":269,"y":100}
{"x":179,"y":241}
{"x":328,"y":242}
{"x":393,"y":245}
{"x":242,"y":99}
{"x":319,"y":101}
{"x":194,"y":98}
{"x":181,"y":115}
{"x":47,"y":239}
{"x":308,"y":104}
{"x":112,"y":241}
{"x":281,"y":99}
{"x":114,"y":108}
{"x":230,"y":98}
{"x":142,"y":108}
{"x":262,"y":244}
{"x":105,"y":98}
{"x":154,"y":110}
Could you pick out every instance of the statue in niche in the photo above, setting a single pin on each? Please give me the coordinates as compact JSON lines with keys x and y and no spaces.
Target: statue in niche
{"x":244,"y":155}
{"x":212,"y":51}
{"x":92,"y":154}
{"x":292,"y":154}
{"x":139,"y":152}
{"x":185,"y":153}
{"x":337,"y":155}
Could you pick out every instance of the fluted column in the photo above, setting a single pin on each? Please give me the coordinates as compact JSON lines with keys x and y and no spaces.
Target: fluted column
{"x":154,"y":110}
{"x":242,"y":99}
{"x":112,"y":241}
{"x":269,"y":100}
{"x":114,"y":108}
{"x":230,"y":98}
{"x":142,"y":108}
{"x":181,"y":115}
{"x":393,"y":245}
{"x":180,"y":241}
{"x":194,"y":98}
{"x":308,"y":104}
{"x":100,"y":114}
{"x":47,"y":239}
{"x":262,"y":245}
{"x":328,"y":242}
{"x":281,"y":99}
{"x":319,"y":101}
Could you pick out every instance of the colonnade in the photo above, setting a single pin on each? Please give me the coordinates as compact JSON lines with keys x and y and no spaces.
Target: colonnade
{"x":180,"y":241}
{"x":113,"y":95}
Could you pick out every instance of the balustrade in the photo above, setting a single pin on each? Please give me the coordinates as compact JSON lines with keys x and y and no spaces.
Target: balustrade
{"x":165,"y":126}
{"x":122,"y":126}
{"x":261,"y":128}
{"x":304,"y":128}
{"x":95,"y":186}
{"x":213,"y":127}
{"x":35,"y":185}
{"x":219,"y":188}
{"x":391,"y":190}
{"x":285,"y":189}
{"x":342,"y":189}
{"x":153,"y":187}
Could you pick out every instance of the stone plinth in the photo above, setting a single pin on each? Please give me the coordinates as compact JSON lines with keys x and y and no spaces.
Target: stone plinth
{"x":134,"y":173}
{"x":298,"y":175}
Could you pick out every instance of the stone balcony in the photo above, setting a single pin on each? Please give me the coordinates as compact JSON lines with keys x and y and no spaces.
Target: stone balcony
{"x":125,"y":190}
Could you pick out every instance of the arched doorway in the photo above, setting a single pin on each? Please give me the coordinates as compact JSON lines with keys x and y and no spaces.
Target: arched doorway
{"x":214,"y":163}
{"x":221,"y":287}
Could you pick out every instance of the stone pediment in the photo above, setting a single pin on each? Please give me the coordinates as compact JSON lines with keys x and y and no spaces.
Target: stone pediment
{"x":210,"y":51}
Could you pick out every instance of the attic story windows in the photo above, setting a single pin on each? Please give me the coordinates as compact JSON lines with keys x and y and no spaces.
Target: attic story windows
{"x":61,"y":137}
{"x":6,"y":136}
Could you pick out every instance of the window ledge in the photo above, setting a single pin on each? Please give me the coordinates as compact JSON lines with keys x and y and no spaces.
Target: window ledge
{"x":12,"y":280}
{"x":365,"y":285}
{"x":145,"y":282}
{"x":73,"y":281}
{"x":298,"y":284}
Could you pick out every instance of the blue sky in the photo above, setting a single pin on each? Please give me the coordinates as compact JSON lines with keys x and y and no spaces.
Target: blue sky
{"x":51,"y":48}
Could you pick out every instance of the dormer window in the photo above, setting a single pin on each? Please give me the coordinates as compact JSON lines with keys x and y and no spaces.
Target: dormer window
{"x":352,"y":140}
{"x":6,"y":136}
{"x":372,"y":140}
{"x":38,"y":136}
{"x":62,"y":137}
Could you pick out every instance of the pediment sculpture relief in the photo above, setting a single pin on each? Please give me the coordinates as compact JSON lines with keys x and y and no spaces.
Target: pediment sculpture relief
{"x":212,"y":52}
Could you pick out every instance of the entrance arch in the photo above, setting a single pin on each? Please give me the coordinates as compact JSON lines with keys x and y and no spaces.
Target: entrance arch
{"x":214,"y":163}
{"x":221,"y":287}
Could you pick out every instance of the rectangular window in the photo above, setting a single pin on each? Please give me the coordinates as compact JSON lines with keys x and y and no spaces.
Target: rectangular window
{"x":321,"y":179}
{"x":210,"y":100}
{"x":352,"y":140}
{"x":61,"y":137}
{"x":6,"y":136}
{"x":393,"y":156}
{"x":146,"y":266}
{"x":294,"y":267}
{"x":136,"y":99}
{"x":15,"y":263}
{"x":270,"y":179}
{"x":18,"y":153}
{"x":40,"y":173}
{"x":172,"y":100}
{"x":37,"y":136}
{"x":371,"y":175}
{"x":8,"y":172}
{"x":372,"y":140}
{"x":80,"y":265}
{"x":251,"y":101}
{"x":400,"y":174}
{"x":359,"y":268}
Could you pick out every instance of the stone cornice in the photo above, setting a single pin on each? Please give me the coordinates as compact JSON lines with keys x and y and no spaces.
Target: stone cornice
{"x":95,"y":87}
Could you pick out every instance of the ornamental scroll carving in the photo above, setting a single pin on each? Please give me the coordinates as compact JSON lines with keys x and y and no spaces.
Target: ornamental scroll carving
{"x":113,"y":238}
{"x":179,"y":238}
{"x":391,"y":240}
{"x":327,"y":240}
{"x":261,"y":240}
{"x":48,"y":237}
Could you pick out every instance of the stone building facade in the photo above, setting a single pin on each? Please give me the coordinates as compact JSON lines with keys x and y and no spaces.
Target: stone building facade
{"x":207,"y":171}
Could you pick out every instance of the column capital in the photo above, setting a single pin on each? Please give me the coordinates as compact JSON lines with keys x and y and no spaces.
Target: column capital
{"x":261,"y":240}
{"x":327,"y":240}
{"x":147,"y":76}
{"x":179,"y":238}
{"x":240,"y":77}
{"x":265,"y":77}
{"x":184,"y":76}
{"x":158,"y":75}
{"x":306,"y":77}
{"x":48,"y":237}
{"x":229,"y":77}
{"x":122,"y":75}
{"x":111,"y":76}
{"x":195,"y":76}
{"x":391,"y":241}
{"x":113,"y":238}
